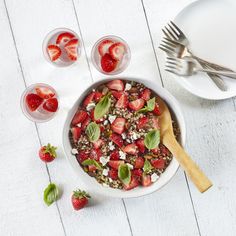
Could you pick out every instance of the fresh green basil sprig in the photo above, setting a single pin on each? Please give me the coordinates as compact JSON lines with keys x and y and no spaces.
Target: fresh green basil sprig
{"x":102,"y":107}
{"x":152,"y":139}
{"x":150,"y":106}
{"x":92,"y":162}
{"x":124,"y":173}
{"x":93,"y":132}
{"x":51,"y":194}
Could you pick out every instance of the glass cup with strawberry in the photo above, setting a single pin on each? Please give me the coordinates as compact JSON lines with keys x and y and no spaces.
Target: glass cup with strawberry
{"x":62,"y":47}
{"x":39,"y":102}
{"x":110,"y":55}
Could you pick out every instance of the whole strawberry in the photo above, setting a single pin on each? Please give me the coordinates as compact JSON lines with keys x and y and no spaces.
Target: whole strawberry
{"x":79,"y":199}
{"x":47,"y":153}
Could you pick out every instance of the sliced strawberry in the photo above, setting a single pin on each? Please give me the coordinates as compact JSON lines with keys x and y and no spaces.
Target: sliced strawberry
{"x":104,"y":46}
{"x":140,"y":144}
{"x":54,"y":52}
{"x":117,"y":139}
{"x":97,"y":96}
{"x":82,"y":156}
{"x":117,"y":51}
{"x":164,"y":150}
{"x":116,"y":94}
{"x":145,"y":94}
{"x":44,"y":92}
{"x":102,"y":128}
{"x":108,"y":64}
{"x":137,"y":172}
{"x":93,"y":118}
{"x":76,"y":132}
{"x":156,"y":110}
{"x":143,"y":123}
{"x":51,"y":105}
{"x":117,"y":85}
{"x":136,"y":104}
{"x":122,"y":102}
{"x":33,"y":101}
{"x":139,"y":162}
{"x":131,"y":149}
{"x":158,"y":163}
{"x":98,"y":143}
{"x":115,"y":155}
{"x":118,"y":125}
{"x":64,"y":37}
{"x":133,"y":184}
{"x":113,"y":174}
{"x":115,"y":164}
{"x":88,"y":99}
{"x":79,"y":117}
{"x":91,"y":168}
{"x":95,"y":154}
{"x":146,"y":180}
{"x":85,"y":123}
{"x":71,"y":49}
{"x":155,"y":123}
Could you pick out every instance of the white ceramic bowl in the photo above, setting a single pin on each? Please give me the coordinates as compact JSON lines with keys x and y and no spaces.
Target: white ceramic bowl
{"x":91,"y":182}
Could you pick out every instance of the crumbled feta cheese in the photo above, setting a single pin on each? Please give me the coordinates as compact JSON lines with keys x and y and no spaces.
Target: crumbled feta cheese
{"x":78,"y":125}
{"x":90,"y":106}
{"x":105,"y":185}
{"x":128,"y":141}
{"x":111,"y":146}
{"x":111,"y":118}
{"x":122,"y":155}
{"x":105,"y":122}
{"x":74,"y":151}
{"x":104,"y":160}
{"x":128,"y":86}
{"x":105,"y":172}
{"x":110,"y":180}
{"x":123,"y":135}
{"x":134,"y":136}
{"x":93,"y":90}
{"x":154,"y":177}
{"x":130,"y":166}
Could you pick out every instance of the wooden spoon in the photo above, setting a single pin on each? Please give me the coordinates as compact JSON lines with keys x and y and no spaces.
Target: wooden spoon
{"x":168,"y":139}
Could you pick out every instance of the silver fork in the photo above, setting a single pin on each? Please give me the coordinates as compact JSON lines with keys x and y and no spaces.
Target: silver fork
{"x":187,"y":67}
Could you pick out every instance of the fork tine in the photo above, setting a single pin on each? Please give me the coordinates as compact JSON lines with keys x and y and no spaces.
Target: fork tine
{"x":165,"y":50}
{"x":168,"y":47}
{"x":170,"y":33}
{"x":166,"y":34}
{"x":171,"y":71}
{"x":177,"y":28}
{"x":174,"y":30}
{"x":176,"y":43}
{"x":168,"y":43}
{"x":171,"y":67}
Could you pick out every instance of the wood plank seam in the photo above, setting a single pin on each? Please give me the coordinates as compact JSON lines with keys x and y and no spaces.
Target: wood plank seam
{"x":23,"y":76}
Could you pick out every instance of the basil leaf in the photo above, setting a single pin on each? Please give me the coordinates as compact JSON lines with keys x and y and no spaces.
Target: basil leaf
{"x":152,"y":139}
{"x":50,"y":194}
{"x":150,"y":106}
{"x":102,"y":107}
{"x":90,"y":162}
{"x":144,"y":109}
{"x":147,"y":166}
{"x":93,"y":132}
{"x":124,"y":173}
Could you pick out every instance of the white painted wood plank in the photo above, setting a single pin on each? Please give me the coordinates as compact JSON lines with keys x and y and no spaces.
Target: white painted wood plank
{"x":151,"y":213}
{"x":210,"y":140}
{"x":69,"y":82}
{"x":23,"y":176}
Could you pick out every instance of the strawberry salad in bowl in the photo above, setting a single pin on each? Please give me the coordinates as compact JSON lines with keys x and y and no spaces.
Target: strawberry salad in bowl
{"x":115,"y":135}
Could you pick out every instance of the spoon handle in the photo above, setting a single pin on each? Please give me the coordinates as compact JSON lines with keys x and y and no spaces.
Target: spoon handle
{"x":193,"y":171}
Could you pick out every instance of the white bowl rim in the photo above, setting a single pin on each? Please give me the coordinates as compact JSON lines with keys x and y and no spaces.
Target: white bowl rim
{"x":90,"y":182}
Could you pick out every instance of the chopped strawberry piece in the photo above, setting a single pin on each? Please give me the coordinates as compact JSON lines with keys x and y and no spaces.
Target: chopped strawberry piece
{"x":95,"y":154}
{"x":93,"y":118}
{"x":102,"y":128}
{"x":145,"y":94}
{"x":98,"y":143}
{"x":117,"y":139}
{"x":33,"y":101}
{"x":76,"y":132}
{"x":79,"y":117}
{"x":133,"y":184}
{"x":117,"y":94}
{"x":82,"y":156}
{"x":118,"y":125}
{"x":140,"y":144}
{"x":156,"y":110}
{"x":137,"y":172}
{"x":158,"y":163}
{"x":156,"y":150}
{"x":139,"y":163}
{"x":88,"y":99}
{"x":131,"y":149}
{"x":91,"y":168}
{"x":155,"y":123}
{"x":146,"y":180}
{"x":117,"y":51}
{"x":51,"y":105}
{"x":122,"y":102}
{"x":97,"y":96}
{"x":117,"y":85}
{"x":143,"y":123}
{"x":71,"y":49}
{"x":85,"y":123}
{"x":115,"y":155}
{"x":54,"y":52}
{"x":64,"y":37}
{"x":115,"y":164}
{"x":104,"y":46}
{"x":113,"y":174}
{"x":108,"y":64}
{"x":164,"y":150}
{"x":136,"y":104}
{"x":44,"y":92}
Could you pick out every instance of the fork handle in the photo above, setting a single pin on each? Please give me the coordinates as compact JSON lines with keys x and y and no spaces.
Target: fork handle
{"x":193,"y":171}
{"x":223,"y":73}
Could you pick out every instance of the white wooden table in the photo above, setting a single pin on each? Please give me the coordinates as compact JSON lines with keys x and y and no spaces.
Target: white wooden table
{"x":178,"y":208}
